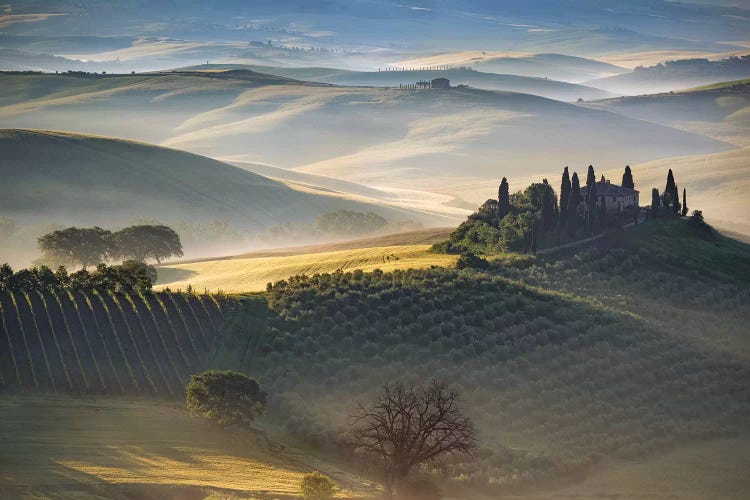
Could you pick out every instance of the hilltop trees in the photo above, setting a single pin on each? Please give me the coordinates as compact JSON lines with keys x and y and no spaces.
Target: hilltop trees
{"x":131,"y":276}
{"x":225,"y":397}
{"x":75,"y":245}
{"x":409,"y":426}
{"x":627,"y":178}
{"x":143,"y":242}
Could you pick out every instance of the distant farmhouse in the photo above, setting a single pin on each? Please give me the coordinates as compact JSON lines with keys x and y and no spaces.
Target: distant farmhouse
{"x":440,"y":83}
{"x":615,"y":198}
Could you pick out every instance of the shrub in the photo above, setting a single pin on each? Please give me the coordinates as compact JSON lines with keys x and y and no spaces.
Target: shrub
{"x":469,"y":260}
{"x":317,"y":486}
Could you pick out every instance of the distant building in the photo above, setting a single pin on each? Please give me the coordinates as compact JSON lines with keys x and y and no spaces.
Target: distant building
{"x":441,"y":83}
{"x":616,"y":198}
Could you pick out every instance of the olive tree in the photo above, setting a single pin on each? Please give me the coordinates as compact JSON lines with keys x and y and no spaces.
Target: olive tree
{"x":86,"y":246}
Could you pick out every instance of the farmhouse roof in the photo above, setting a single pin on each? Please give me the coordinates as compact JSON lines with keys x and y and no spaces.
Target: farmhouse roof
{"x":606,"y":188}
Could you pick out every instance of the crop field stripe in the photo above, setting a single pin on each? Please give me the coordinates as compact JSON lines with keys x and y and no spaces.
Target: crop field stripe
{"x":117,"y":340}
{"x":146,"y":371}
{"x":147,"y":337}
{"x":72,"y":341}
{"x":10,"y":345}
{"x":167,"y":339}
{"x":99,"y":330}
{"x":85,"y":334}
{"x":25,"y":342}
{"x":181,"y":315}
{"x":159,"y":334}
{"x":41,"y":342}
{"x":174,"y":333}
{"x":186,"y":301}
{"x":54,"y":338}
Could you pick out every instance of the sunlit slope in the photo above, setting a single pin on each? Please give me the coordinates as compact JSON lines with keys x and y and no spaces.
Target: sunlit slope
{"x":436,"y":141}
{"x":253,"y":274}
{"x":112,"y":448}
{"x":57,"y":177}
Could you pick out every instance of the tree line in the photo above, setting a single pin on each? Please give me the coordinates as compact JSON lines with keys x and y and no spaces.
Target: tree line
{"x":89,"y":246}
{"x":130,"y":276}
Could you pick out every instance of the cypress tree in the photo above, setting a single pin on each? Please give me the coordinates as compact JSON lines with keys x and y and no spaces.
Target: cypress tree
{"x":676,"y":200}
{"x":669,"y":189}
{"x":655,"y":202}
{"x":627,"y":178}
{"x":602,"y":179}
{"x":574,"y":200}
{"x":564,"y":195}
{"x":548,"y":206}
{"x":684,"y":202}
{"x":503,"y":199}
{"x":591,"y":176}
{"x":592,"y":206}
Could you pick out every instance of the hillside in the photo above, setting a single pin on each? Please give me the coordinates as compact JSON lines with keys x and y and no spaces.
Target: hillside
{"x":606,"y":355}
{"x":540,"y":86}
{"x":720,"y":110}
{"x":57,"y":178}
{"x":675,"y":75}
{"x":575,"y":367}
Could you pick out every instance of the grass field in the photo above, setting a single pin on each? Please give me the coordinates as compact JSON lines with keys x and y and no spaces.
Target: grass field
{"x":126,"y":449}
{"x":251,"y":274}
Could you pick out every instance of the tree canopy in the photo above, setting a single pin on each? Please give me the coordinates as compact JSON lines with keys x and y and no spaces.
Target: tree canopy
{"x":143,"y":242}
{"x":77,"y":245}
{"x":225,"y":397}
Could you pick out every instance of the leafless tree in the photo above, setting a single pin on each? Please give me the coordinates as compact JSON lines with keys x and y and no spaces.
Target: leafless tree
{"x":408,"y":426}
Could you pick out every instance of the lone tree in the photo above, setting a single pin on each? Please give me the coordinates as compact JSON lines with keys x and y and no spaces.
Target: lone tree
{"x":409,"y":426}
{"x":503,"y":199}
{"x":77,"y":245}
{"x":225,"y":397}
{"x":627,"y":178}
{"x":147,"y":242}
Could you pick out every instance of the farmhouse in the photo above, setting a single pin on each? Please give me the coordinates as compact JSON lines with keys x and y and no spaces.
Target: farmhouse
{"x":615,"y":198}
{"x":440,"y":83}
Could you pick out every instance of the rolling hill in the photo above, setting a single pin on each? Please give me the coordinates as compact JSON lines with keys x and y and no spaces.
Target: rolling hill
{"x":429,"y":147}
{"x":540,"y":85}
{"x":675,"y":75}
{"x":719,"y":110}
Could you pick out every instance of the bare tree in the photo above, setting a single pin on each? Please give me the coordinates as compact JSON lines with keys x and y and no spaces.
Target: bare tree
{"x":408,"y":426}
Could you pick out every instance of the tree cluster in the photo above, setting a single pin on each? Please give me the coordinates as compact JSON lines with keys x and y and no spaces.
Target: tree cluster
{"x":535,"y":218}
{"x":668,"y":202}
{"x":90,"y":246}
